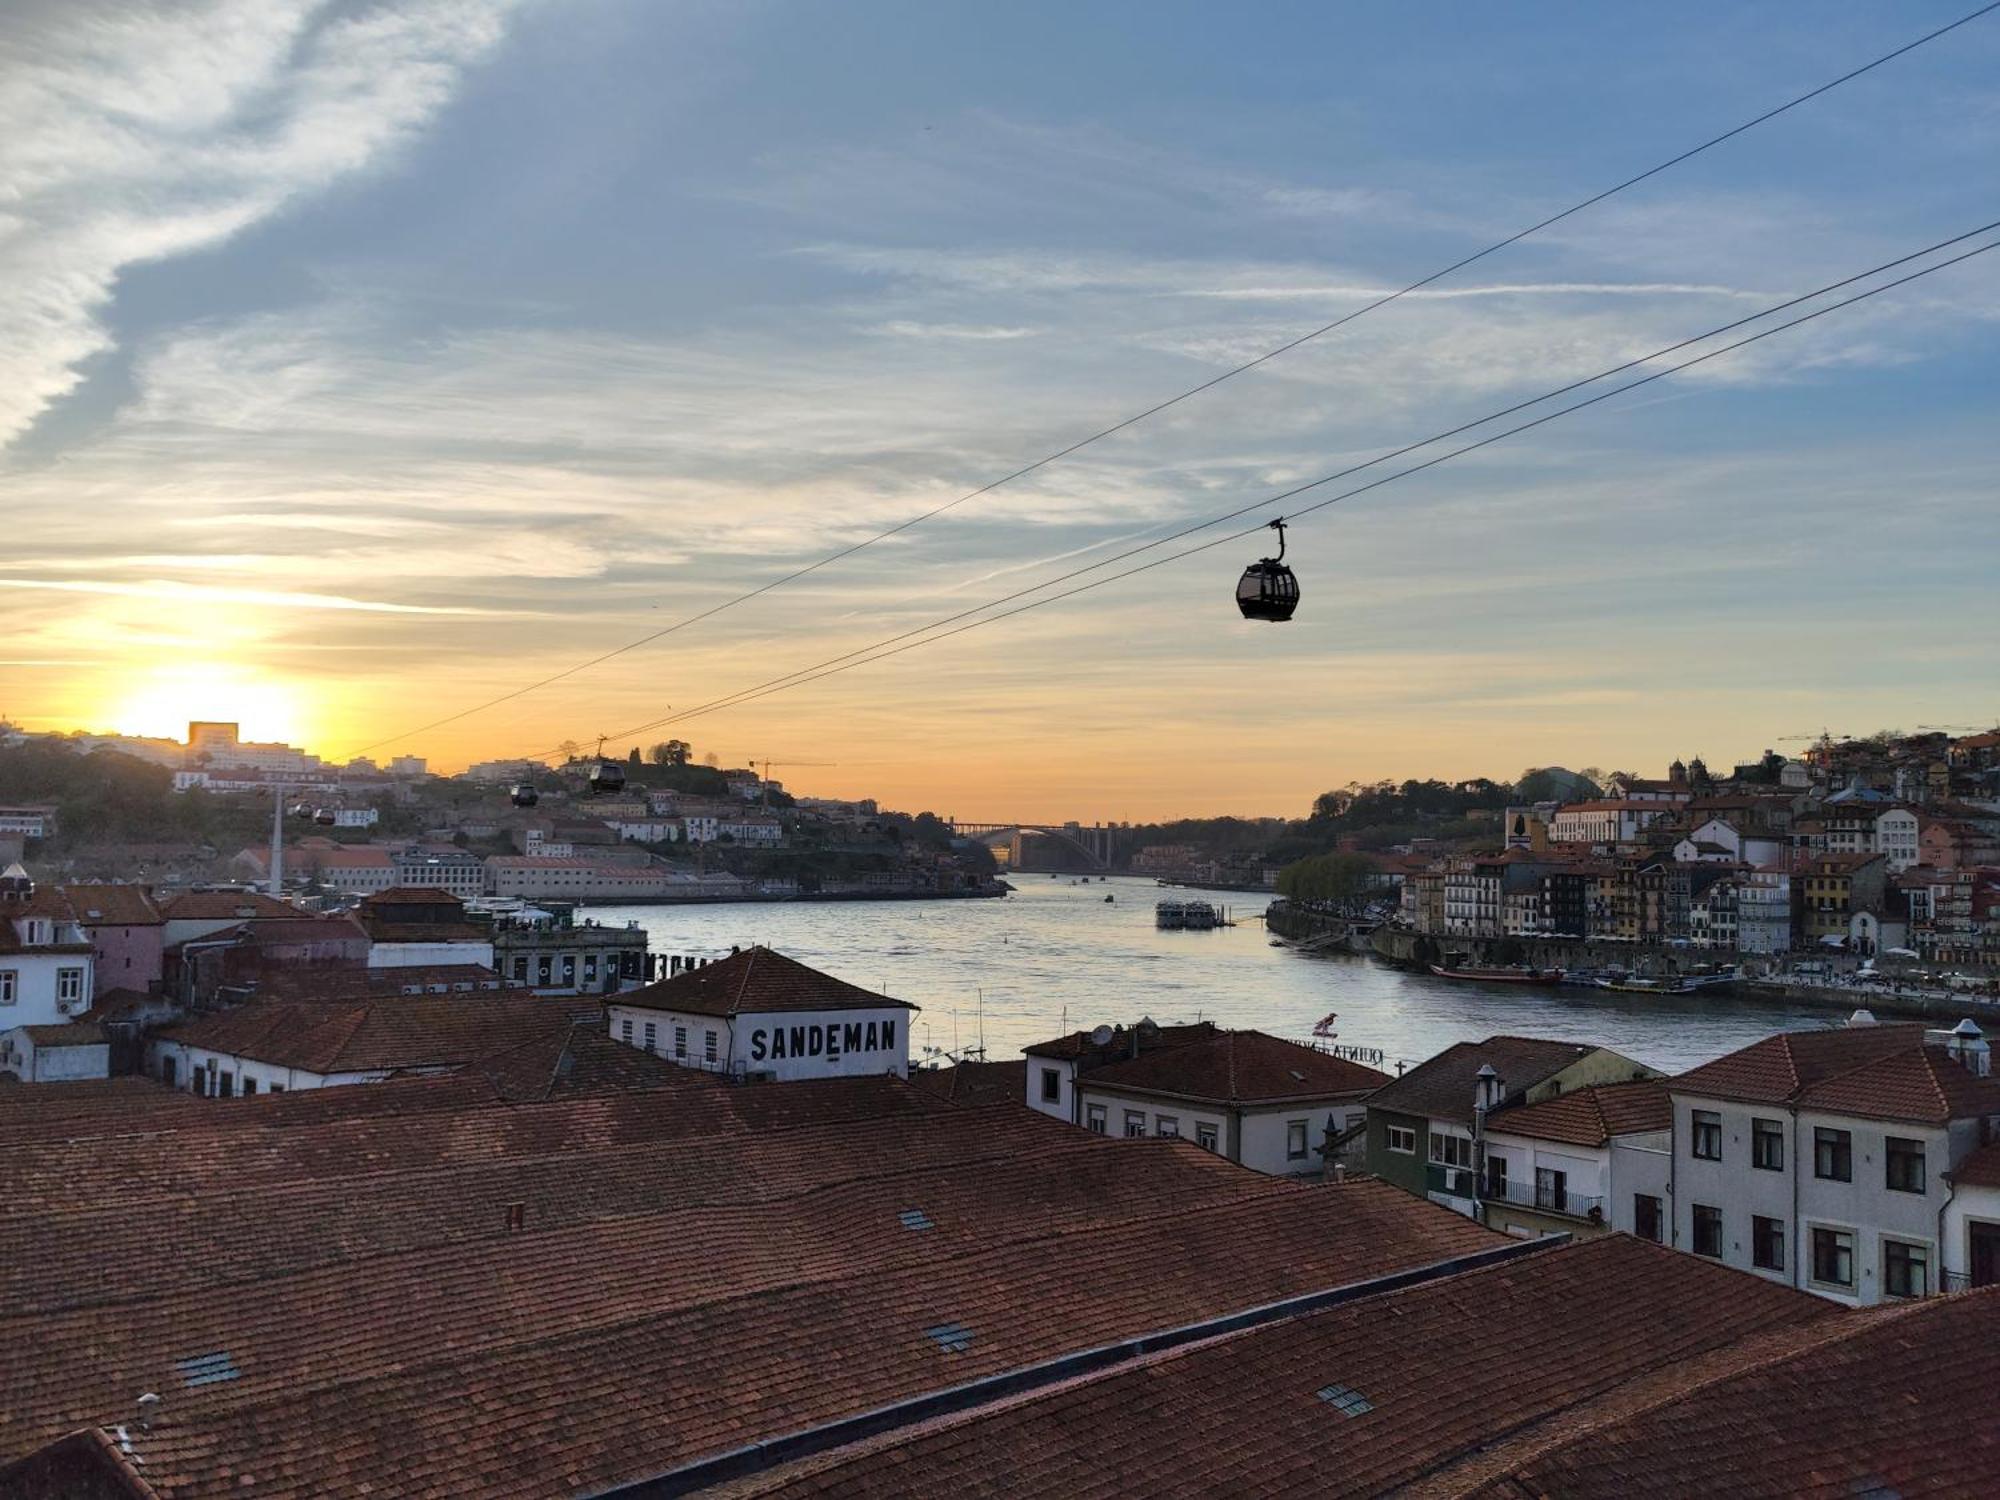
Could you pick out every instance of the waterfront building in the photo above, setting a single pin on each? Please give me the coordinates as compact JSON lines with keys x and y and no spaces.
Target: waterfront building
{"x":1763,"y":911}
{"x":536,"y":877}
{"x":556,"y":955}
{"x":442,"y":868}
{"x":1260,"y":1100}
{"x":1424,"y":1129}
{"x":28,"y":820}
{"x":1832,"y":887}
{"x":760,"y":1015}
{"x":1576,"y":899}
{"x":1823,"y":1159}
{"x":1895,"y":838}
{"x":352,"y":870}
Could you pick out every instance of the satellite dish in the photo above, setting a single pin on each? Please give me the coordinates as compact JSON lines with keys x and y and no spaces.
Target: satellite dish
{"x":1101,"y":1037}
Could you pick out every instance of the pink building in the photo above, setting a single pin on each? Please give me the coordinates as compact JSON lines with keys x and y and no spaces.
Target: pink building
{"x":126,"y":932}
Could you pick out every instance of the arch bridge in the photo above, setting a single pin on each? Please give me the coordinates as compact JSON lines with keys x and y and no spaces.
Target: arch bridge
{"x":1096,"y":842}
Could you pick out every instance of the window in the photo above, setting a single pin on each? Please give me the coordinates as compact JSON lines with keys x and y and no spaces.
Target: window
{"x":1051,"y":1085}
{"x":1706,"y":1135}
{"x":1135,"y":1122}
{"x":8,"y":986}
{"x":1403,"y":1138}
{"x":708,"y":1044}
{"x":1167,"y":1125}
{"x":1767,"y":1145}
{"x":1905,"y":1269}
{"x":1646,"y":1216}
{"x":625,"y":1030}
{"x":1093,"y":1118}
{"x":167,"y":1071}
{"x":652,"y":1036}
{"x":1707,"y":1230}
{"x":277,"y":1088}
{"x":1496,"y":1177}
{"x":1551,"y":1189}
{"x":249,"y":1087}
{"x":1451,"y":1150}
{"x":680,"y":1041}
{"x":225,"y":1086}
{"x":1295,"y":1140}
{"x":1905,"y":1164}
{"x":1205,"y":1137}
{"x":1833,"y":1155}
{"x":1833,"y":1255}
{"x":1767,"y":1243}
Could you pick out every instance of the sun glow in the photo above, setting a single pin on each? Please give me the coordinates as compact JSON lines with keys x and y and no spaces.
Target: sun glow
{"x":163,"y":702}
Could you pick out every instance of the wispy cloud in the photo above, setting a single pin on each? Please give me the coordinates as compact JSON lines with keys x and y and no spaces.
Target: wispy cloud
{"x":172,"y":592}
{"x":135,"y":132}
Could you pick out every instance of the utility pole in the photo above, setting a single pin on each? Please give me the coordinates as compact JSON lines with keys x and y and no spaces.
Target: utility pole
{"x":278,"y":841}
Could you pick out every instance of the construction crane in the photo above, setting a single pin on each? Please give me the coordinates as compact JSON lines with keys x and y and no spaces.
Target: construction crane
{"x":767,"y":763}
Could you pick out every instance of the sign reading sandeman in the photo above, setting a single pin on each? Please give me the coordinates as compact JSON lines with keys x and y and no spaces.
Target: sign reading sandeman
{"x":831,"y":1042}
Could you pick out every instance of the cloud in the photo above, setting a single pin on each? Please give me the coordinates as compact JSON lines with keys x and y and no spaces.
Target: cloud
{"x":137,"y":132}
{"x":169,"y":591}
{"x":903,"y":328}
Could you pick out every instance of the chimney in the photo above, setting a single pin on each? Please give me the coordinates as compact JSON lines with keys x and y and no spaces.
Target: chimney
{"x":1968,"y":1045}
{"x":1488,"y":1090}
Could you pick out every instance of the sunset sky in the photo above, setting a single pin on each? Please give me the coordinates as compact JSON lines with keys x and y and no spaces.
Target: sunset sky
{"x":359,"y":363}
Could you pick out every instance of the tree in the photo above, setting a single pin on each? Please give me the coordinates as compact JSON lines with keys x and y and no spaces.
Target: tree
{"x":1327,"y":877}
{"x":711,"y":760}
{"x":632,"y":760}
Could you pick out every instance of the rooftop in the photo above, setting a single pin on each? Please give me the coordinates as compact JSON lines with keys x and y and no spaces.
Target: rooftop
{"x":1444,"y":1087}
{"x":376,"y":1034}
{"x":1879,"y":1072}
{"x":1240,"y":1067}
{"x":756,"y":980}
{"x":1590,"y":1116}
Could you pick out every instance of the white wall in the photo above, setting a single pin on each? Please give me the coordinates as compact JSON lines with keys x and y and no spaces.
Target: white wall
{"x":37,"y":987}
{"x":413,"y":955}
{"x":787,"y":1044}
{"x":1064,"y":1106}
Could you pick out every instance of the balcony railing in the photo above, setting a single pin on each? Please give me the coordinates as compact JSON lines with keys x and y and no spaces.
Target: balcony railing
{"x":1544,"y":1199}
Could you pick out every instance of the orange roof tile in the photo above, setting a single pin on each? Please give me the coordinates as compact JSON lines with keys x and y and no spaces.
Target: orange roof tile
{"x":755,"y":980}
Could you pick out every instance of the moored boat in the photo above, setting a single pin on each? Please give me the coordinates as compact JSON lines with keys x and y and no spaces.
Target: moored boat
{"x":1504,"y":974}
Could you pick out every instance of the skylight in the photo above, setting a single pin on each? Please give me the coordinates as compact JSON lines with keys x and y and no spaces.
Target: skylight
{"x":1345,"y":1400}
{"x":953,"y":1338}
{"x":915,"y":1218}
{"x":207,"y":1369}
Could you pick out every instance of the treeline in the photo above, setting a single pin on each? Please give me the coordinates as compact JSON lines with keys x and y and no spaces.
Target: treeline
{"x":109,"y":797}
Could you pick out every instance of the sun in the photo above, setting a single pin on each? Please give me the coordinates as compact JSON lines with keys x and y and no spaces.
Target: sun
{"x":161,"y":704}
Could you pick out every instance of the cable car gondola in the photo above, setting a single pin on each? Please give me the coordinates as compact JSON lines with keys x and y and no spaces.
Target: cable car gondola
{"x":324,"y":817}
{"x":606,"y":776}
{"x":525,"y":795}
{"x":1267,"y":590}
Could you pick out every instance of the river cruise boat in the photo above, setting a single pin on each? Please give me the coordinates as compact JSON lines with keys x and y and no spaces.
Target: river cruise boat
{"x":1498,"y":974}
{"x":1194,"y":916}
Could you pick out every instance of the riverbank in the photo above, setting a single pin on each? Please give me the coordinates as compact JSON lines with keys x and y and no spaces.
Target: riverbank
{"x":988,"y":892}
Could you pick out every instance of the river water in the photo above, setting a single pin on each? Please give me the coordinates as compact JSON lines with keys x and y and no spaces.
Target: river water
{"x":1056,"y":955}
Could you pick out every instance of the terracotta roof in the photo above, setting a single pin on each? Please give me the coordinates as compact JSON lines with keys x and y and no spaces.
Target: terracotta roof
{"x":1590,"y":1116}
{"x":69,"y":1034}
{"x":1444,"y":1087}
{"x":1878,"y":1406}
{"x":1079,"y":1044}
{"x":1240,"y":1067}
{"x":83,"y":1465}
{"x":1780,"y":1068}
{"x":410,"y":895}
{"x":1376,"y":1396}
{"x":974,"y":1083}
{"x":755,"y":980}
{"x":355,"y":981}
{"x":1919,"y":1083}
{"x":217,"y":906}
{"x":815,"y":1272}
{"x":113,"y":905}
{"x":406,"y":1031}
{"x":1980,"y":1168}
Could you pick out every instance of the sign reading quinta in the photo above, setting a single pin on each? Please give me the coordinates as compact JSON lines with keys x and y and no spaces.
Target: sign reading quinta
{"x":831,"y":1041}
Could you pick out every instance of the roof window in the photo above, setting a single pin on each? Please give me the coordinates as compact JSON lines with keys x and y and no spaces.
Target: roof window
{"x":915,"y":1218}
{"x":953,"y":1338}
{"x":207,"y":1369}
{"x":1345,"y":1400}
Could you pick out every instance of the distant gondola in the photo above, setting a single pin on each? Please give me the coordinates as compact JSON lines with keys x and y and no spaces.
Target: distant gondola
{"x":607,"y":776}
{"x":324,"y":817}
{"x":525,"y":795}
{"x":1267,"y":590}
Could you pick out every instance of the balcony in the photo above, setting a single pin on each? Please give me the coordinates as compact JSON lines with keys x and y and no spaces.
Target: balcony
{"x":1545,"y":1199}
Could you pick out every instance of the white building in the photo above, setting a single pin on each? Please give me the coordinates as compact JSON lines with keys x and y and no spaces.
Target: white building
{"x":1594,"y":1159}
{"x":1825,"y":1159}
{"x":1259,"y":1100}
{"x":1763,"y":911}
{"x":454,"y":870}
{"x":356,"y":817}
{"x":409,"y":765}
{"x":56,"y":1054}
{"x":758,"y":1014}
{"x":1605,"y":821}
{"x":647,"y":830}
{"x":29,"y":821}
{"x":46,"y":960}
{"x":536,"y":877}
{"x":271,"y":1046}
{"x":765,"y":831}
{"x":412,"y":927}
{"x":1896,"y":836}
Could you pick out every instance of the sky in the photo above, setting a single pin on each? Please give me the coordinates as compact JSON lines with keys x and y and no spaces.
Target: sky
{"x":361,"y":363}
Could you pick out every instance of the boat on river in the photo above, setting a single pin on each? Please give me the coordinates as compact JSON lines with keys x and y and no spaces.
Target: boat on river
{"x":1499,"y":974}
{"x":1669,"y":984}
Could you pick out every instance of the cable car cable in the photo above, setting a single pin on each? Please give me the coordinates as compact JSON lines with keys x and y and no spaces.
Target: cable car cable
{"x":1195,"y":390}
{"x":811,"y":673}
{"x":808,"y":675}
